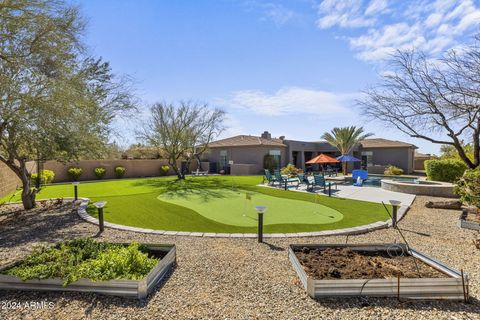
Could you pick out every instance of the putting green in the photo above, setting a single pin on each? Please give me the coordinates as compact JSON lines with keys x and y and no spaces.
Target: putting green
{"x":238,"y":207}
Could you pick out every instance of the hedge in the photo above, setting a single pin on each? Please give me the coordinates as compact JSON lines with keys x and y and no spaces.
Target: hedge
{"x":447,"y":170}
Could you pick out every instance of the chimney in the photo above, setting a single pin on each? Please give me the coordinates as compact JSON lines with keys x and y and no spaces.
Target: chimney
{"x":266,"y":135}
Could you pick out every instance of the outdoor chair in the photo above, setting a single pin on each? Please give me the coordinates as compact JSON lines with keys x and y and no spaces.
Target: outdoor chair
{"x":268,"y":177}
{"x":285,"y":181}
{"x":320,"y":181}
{"x":301,"y":178}
{"x":198,"y":173}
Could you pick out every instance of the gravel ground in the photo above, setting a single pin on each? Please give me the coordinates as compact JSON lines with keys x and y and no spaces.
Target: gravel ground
{"x":238,"y":278}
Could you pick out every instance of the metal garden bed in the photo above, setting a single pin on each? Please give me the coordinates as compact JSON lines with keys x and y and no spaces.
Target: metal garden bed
{"x":126,"y":288}
{"x":454,"y":286}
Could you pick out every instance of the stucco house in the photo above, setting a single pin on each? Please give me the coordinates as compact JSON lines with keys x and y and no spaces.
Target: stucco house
{"x":244,"y":154}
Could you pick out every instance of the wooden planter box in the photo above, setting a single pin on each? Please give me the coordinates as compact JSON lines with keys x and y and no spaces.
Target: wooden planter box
{"x":126,"y":288}
{"x":450,"y":287}
{"x":463,"y":223}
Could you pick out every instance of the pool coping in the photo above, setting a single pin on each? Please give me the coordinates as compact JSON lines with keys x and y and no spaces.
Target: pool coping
{"x":82,"y":212}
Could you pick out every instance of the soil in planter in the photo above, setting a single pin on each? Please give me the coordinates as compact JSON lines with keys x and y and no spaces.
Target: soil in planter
{"x":345,"y":263}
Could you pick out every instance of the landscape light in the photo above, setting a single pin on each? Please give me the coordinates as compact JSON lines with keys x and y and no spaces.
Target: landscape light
{"x":260,"y":210}
{"x":99,"y":205}
{"x":396,"y":204}
{"x":75,"y":189}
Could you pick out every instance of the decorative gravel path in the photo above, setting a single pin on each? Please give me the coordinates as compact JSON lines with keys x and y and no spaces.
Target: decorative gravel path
{"x":225,"y":278}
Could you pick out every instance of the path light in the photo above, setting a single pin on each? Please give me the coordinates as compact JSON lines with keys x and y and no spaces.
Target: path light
{"x":260,"y":210}
{"x":99,"y":205}
{"x":75,"y":189}
{"x":396,"y":205}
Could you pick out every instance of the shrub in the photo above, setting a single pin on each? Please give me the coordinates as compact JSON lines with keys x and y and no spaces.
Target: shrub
{"x":269,"y":162}
{"x":74,"y":173}
{"x":85,"y":258}
{"x":46,"y":177}
{"x":393,"y":171}
{"x":120,"y":172}
{"x":291,"y":170}
{"x":446,"y":170}
{"x":468,"y":188}
{"x":100,"y":172}
{"x":164,"y":170}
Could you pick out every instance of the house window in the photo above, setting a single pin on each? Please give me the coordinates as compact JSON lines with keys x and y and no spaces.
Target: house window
{"x":367,"y":158}
{"x":276,"y":154}
{"x":223,"y":159}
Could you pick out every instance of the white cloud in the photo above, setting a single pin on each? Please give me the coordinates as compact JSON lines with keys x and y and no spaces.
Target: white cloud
{"x":383,"y":28}
{"x":290,"y":100}
{"x":279,"y":14}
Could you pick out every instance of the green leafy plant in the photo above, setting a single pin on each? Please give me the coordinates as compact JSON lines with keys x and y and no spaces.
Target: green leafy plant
{"x":164,"y":170}
{"x":46,"y":177}
{"x":85,"y":258}
{"x":120,"y":172}
{"x":447,"y":170}
{"x":74,"y":173}
{"x":100,"y":172}
{"x":269,"y":162}
{"x":393,"y":171}
{"x":468,"y":187}
{"x":291,"y":170}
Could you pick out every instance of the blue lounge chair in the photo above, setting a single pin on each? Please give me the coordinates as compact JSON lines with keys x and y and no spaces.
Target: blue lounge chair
{"x":268,"y":177}
{"x":320,"y":181}
{"x":285,"y":181}
{"x":301,"y":178}
{"x":359,"y":176}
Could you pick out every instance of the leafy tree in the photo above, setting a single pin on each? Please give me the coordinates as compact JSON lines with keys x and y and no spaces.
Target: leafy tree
{"x":450,"y":152}
{"x":435,"y":100}
{"x":183,"y":131}
{"x":56,"y":102}
{"x":345,"y":139}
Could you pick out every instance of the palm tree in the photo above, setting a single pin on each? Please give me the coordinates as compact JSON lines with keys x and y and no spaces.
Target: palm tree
{"x":344,"y":139}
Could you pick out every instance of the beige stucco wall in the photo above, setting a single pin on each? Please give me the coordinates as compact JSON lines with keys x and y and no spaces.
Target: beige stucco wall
{"x":135,"y":168}
{"x":246,"y":155}
{"x":9,"y":181}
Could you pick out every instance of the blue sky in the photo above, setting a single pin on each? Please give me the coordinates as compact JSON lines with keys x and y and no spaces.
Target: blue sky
{"x":293,"y":68}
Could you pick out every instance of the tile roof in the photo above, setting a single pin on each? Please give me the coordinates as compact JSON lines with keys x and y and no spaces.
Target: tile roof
{"x":384,"y":143}
{"x":244,"y":140}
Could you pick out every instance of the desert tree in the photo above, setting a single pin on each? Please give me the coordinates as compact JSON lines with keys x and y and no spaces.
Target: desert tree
{"x":56,"y":102}
{"x":432,"y":99}
{"x":345,"y":139}
{"x":183,"y":131}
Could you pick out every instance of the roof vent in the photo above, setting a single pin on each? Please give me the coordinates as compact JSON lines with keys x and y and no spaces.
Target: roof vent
{"x":266,"y":135}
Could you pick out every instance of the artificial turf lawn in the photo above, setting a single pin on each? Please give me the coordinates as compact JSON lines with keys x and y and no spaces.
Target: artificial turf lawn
{"x":142,"y":203}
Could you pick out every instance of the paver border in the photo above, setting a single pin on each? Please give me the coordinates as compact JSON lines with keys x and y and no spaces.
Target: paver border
{"x":82,"y":212}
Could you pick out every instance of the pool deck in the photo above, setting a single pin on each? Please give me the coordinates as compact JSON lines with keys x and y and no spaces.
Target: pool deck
{"x":365,"y":193}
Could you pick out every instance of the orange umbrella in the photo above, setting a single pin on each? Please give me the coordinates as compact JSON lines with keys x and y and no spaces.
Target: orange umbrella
{"x":322,"y":158}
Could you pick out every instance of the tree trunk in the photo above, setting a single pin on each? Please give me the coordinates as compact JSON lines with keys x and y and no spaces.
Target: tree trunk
{"x":28,"y":194}
{"x":180,"y":175}
{"x":344,"y":168}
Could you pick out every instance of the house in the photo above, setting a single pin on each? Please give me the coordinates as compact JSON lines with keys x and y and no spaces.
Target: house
{"x":244,"y":154}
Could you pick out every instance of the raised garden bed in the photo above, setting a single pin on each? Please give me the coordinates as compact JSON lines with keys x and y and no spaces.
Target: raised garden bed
{"x":469,"y":220}
{"x":380,"y":270}
{"x":138,"y":288}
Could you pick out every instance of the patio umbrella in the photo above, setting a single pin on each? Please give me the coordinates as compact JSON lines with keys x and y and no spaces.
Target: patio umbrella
{"x":347,"y":158}
{"x":322,"y":158}
{"x":344,"y":158}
